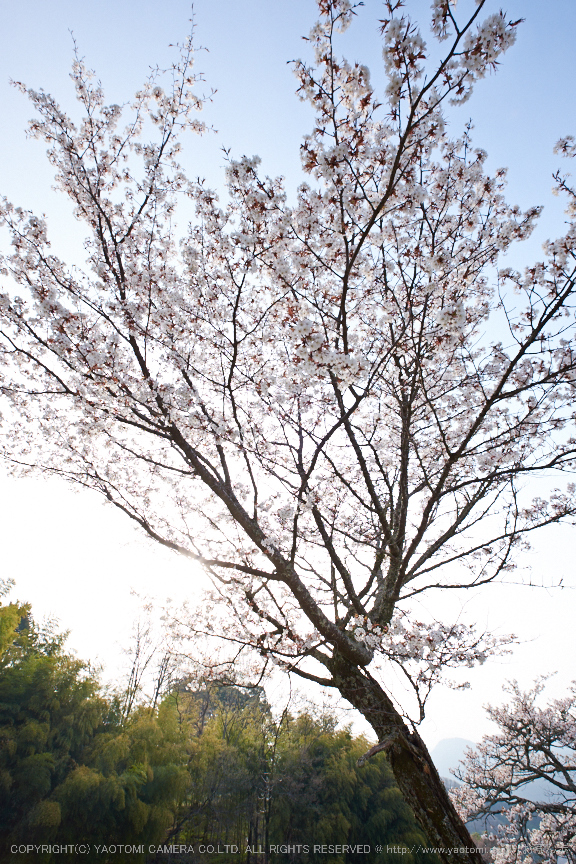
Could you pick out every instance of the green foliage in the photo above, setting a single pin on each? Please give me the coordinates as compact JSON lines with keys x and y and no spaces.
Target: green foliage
{"x":49,"y":711}
{"x":69,"y":772}
{"x":293,"y":782}
{"x":224,"y":733}
{"x":10,"y":617}
{"x":211,"y":766}
{"x":323,"y":797}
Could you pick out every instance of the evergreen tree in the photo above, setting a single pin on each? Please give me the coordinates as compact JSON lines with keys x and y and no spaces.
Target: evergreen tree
{"x":10,"y":616}
{"x":69,"y":771}
{"x":211,"y":766}
{"x":258,"y":783}
{"x":323,"y":797}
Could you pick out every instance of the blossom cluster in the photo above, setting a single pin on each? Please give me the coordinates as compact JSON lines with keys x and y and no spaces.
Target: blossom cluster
{"x":425,"y":650}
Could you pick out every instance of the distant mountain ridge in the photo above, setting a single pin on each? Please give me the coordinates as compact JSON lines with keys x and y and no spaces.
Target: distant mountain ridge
{"x":448,"y":753}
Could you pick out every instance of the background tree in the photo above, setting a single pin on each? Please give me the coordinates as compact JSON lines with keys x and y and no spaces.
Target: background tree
{"x":207,"y":765}
{"x":526,"y":773}
{"x":152,"y":665}
{"x":11,"y":615}
{"x":320,"y":796}
{"x":225,"y":730}
{"x":259,"y":781}
{"x":48,"y":712}
{"x":302,"y":396}
{"x":69,"y":769}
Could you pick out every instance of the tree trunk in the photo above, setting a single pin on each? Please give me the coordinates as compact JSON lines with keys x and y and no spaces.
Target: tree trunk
{"x":415,"y":773}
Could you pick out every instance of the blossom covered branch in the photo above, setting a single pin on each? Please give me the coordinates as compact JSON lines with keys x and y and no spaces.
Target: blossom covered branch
{"x":526,"y":773}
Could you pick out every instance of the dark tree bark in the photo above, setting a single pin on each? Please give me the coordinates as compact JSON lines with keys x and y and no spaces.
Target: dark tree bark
{"x":413,"y":768}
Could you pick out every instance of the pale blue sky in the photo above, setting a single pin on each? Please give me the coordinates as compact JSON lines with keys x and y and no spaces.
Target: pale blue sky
{"x":518,"y":113}
{"x":79,"y":564}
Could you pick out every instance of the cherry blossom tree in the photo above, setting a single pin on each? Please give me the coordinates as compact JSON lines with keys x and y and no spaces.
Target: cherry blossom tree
{"x":533,"y":746}
{"x":303,"y":396}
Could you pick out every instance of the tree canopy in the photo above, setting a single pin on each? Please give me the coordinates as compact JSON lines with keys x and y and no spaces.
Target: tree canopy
{"x":70,"y":771}
{"x":527,"y":774}
{"x":209,"y":765}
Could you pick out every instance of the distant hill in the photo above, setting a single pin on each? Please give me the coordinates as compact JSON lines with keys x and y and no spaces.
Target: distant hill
{"x":447,"y":754}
